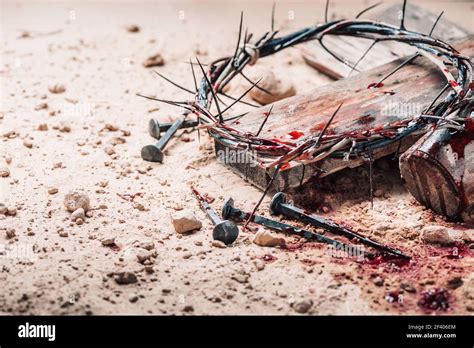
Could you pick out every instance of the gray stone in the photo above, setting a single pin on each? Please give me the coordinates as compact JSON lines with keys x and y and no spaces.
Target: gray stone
{"x":302,"y":306}
{"x":124,"y":278}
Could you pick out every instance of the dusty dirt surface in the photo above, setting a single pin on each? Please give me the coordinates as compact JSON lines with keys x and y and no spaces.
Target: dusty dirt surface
{"x":71,"y":120}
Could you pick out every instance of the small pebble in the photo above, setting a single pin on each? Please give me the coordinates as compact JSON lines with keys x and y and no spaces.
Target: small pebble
{"x":259,"y":264}
{"x":218,"y":244}
{"x":10,"y":232}
{"x":78,"y":214}
{"x":4,"y":172}
{"x":302,"y":306}
{"x":57,"y":89}
{"x":53,"y":190}
{"x":155,"y":60}
{"x":133,"y":28}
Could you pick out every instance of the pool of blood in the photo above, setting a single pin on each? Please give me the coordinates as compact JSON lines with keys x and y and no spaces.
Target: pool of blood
{"x":437,"y":299}
{"x":394,"y":263}
{"x":457,"y":251}
{"x":459,"y":141}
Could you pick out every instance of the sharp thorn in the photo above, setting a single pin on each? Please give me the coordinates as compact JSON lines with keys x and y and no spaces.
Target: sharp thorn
{"x":265,"y":120}
{"x":240,"y":101}
{"x":270,"y":183}
{"x":243,"y":95}
{"x":326,"y":126}
{"x":367,"y":9}
{"x":245,"y":36}
{"x":217,"y":96}
{"x":411,"y":58}
{"x":240,"y":35}
{"x":335,"y":56}
{"x":363,"y":56}
{"x":173,"y":83}
{"x":435,"y":23}
{"x":234,"y":118}
{"x":212,"y":91}
{"x":437,"y":97}
{"x":178,"y":104}
{"x":195,"y":64}
{"x":257,"y":87}
{"x":326,"y":12}
{"x":402,"y":22}
{"x":273,"y":17}
{"x":194,"y":75}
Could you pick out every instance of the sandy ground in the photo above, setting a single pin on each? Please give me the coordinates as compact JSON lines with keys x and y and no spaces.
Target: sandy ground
{"x":53,"y":266}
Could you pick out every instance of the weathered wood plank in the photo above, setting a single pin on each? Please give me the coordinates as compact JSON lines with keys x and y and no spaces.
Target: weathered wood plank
{"x":417,"y":19}
{"x":403,"y":96}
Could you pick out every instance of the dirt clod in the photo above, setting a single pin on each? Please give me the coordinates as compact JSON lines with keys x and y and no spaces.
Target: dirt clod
{"x":155,"y":60}
{"x":75,"y":200}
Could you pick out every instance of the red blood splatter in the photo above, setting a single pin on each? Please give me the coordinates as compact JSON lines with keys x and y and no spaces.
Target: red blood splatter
{"x":375,"y":85}
{"x":395,"y":263}
{"x":459,"y":141}
{"x":388,"y":134}
{"x":469,"y":126}
{"x":281,"y":142}
{"x":453,"y":83}
{"x":285,"y":166}
{"x":458,"y":251}
{"x":389,"y":92}
{"x":295,"y":135}
{"x":208,"y":198}
{"x":434,"y":299}
{"x":268,"y":258}
{"x":365,"y":120}
{"x":293,"y":246}
{"x":318,"y":127}
{"x":357,"y":90}
{"x":268,"y":148}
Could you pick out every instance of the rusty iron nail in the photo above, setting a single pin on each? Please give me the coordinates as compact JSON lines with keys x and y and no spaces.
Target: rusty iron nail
{"x":230,"y":212}
{"x":155,"y":128}
{"x":224,"y":230}
{"x":154,"y":153}
{"x":279,"y":206}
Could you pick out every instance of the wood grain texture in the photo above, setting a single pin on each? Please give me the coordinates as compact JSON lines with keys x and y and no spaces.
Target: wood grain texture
{"x":403,"y":96}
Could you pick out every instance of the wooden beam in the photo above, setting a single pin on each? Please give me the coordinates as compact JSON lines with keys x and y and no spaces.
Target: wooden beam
{"x":417,"y":19}
{"x":403,"y":95}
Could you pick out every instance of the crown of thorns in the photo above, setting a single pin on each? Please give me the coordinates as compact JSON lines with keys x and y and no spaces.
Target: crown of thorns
{"x":442,"y":112}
